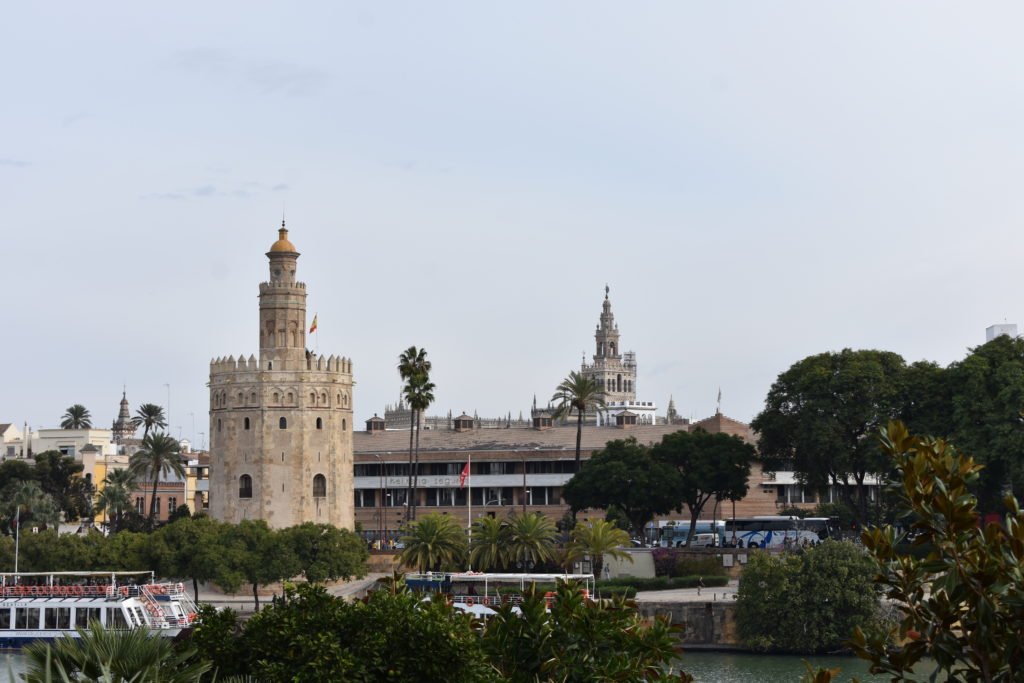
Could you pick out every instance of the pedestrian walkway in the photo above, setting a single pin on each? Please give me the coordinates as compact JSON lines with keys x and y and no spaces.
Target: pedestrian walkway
{"x":707,"y":594}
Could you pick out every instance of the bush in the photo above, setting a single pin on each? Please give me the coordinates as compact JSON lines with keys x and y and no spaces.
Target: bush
{"x":809,"y":601}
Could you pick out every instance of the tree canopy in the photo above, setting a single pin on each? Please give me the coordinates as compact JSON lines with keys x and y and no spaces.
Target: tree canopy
{"x":625,"y":474}
{"x":821,"y":415}
{"x":709,"y":466}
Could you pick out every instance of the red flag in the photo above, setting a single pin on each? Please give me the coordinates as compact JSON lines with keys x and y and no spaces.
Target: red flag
{"x":462,"y":477}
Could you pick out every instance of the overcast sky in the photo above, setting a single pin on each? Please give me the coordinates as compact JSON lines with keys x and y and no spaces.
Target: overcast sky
{"x":756,"y":182}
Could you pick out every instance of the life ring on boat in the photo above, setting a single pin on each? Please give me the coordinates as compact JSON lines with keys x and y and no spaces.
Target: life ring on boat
{"x":470,"y":602}
{"x":77,"y":590}
{"x":124,"y":591}
{"x":549,"y":599}
{"x":191,"y":617}
{"x":157,"y":589}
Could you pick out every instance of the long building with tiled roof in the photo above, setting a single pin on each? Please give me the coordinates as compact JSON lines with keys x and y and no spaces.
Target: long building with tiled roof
{"x":511,"y":469}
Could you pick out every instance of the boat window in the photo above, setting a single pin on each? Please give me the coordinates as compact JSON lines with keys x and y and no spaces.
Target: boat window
{"x":115,"y":619}
{"x":5,"y":618}
{"x":58,"y":617}
{"x":85,"y":615}
{"x":27,"y":617}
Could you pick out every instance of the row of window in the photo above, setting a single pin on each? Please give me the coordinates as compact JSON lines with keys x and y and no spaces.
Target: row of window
{"x":140,"y":505}
{"x":282,"y":423}
{"x":245,"y":486}
{"x":486,"y":467}
{"x":220,"y":399}
{"x":60,"y":617}
{"x":452,"y":497}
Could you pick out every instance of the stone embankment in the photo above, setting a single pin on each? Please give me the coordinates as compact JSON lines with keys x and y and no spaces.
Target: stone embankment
{"x":707,"y":615}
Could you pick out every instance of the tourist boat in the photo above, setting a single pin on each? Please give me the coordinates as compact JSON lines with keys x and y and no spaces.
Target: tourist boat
{"x":480,"y":592}
{"x":44,"y":606}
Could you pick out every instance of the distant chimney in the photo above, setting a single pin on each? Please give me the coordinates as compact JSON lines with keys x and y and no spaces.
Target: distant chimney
{"x":375,"y":424}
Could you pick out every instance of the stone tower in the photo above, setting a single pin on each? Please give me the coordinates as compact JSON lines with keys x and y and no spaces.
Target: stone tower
{"x":281,"y":425}
{"x":612,"y":369}
{"x":124,"y":427}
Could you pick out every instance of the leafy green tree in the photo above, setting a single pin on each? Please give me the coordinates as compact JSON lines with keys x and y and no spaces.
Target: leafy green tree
{"x":159,"y":456}
{"x":413,"y":368}
{"x":433,"y":542}
{"x":26,"y":504}
{"x":489,"y":547}
{"x":15,"y":471}
{"x":709,"y":466}
{"x":928,"y":400}
{"x":327,"y":553}
{"x":192,"y":548}
{"x":806,"y":602}
{"x":76,"y":417}
{"x":987,"y":396}
{"x":531,"y":539}
{"x":624,"y":474}
{"x":392,"y":635}
{"x":111,"y":656}
{"x":149,"y":416}
{"x":598,"y":538}
{"x":821,"y":415}
{"x":59,"y":476}
{"x":962,"y":604}
{"x":259,"y":555}
{"x":577,"y":393}
{"x":579,"y":640}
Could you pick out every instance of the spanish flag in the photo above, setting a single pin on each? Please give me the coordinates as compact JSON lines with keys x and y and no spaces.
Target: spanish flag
{"x":312,"y":328}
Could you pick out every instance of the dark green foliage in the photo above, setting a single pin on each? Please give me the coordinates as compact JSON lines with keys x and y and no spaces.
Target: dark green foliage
{"x":625,"y":476}
{"x":112,"y":657}
{"x":987,"y":396}
{"x":327,"y":553}
{"x":821,"y":415}
{"x":806,"y":602}
{"x":579,"y":640}
{"x":216,"y":639}
{"x":392,"y":635}
{"x":962,"y":605}
{"x":710,"y":466}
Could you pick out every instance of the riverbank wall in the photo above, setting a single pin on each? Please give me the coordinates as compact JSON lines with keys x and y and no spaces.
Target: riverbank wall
{"x":705,"y":624}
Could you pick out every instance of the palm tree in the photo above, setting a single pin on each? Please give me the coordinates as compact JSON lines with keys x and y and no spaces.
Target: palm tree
{"x":419,"y":393}
{"x":76,"y":417}
{"x":412,"y":363}
{"x":160,"y":456}
{"x":531,"y":539}
{"x":580,"y":393}
{"x":29,"y":503}
{"x":489,"y":549}
{"x":112,"y":656}
{"x":598,"y":538}
{"x":116,"y":497}
{"x":148,"y":416}
{"x":433,"y":542}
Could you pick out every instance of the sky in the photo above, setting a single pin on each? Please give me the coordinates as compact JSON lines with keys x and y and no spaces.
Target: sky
{"x":755,"y":182}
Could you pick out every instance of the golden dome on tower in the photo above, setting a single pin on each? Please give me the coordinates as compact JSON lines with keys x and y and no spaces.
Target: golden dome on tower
{"x":282,"y":243}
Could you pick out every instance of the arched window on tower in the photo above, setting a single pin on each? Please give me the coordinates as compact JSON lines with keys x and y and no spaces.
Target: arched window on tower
{"x":319,"y":423}
{"x":246,"y":423}
{"x":312,"y":398}
{"x":319,"y":486}
{"x":245,"y":486}
{"x":344,"y":424}
{"x":219,"y":425}
{"x":282,"y":423}
{"x":291,"y":398}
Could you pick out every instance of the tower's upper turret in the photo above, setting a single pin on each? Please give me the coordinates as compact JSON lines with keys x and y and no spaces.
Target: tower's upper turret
{"x":282,"y":308}
{"x":282,"y":243}
{"x":607,"y":334}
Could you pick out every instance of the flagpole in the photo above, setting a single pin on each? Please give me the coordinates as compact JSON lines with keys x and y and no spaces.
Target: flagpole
{"x":469,"y":500}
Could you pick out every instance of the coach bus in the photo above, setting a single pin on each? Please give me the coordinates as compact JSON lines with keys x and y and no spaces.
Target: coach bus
{"x":779,"y":532}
